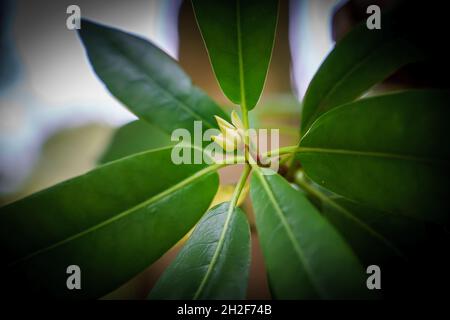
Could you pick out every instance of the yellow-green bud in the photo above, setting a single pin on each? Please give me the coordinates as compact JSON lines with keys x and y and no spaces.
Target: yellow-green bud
{"x":236,"y":120}
{"x":230,"y":138}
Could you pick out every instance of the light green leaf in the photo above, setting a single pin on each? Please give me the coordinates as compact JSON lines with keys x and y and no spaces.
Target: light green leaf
{"x":112,"y":222}
{"x":239,"y":36}
{"x":146,"y":80}
{"x":389,"y":152}
{"x":215,"y":261}
{"x":358,"y":62}
{"x":134,"y":137}
{"x":305,"y":257}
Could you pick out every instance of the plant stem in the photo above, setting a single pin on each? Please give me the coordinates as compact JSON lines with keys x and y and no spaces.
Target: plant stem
{"x":246,"y":127}
{"x":245,"y":120}
{"x":240,"y":185}
{"x":283,"y":150}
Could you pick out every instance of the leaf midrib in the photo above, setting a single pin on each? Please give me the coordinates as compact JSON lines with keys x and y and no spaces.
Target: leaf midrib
{"x":289,"y":232}
{"x":240,"y":57}
{"x":373,"y":154}
{"x":197,"y":175}
{"x":216,"y":255}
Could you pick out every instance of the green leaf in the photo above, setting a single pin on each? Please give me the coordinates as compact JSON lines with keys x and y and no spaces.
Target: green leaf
{"x":146,"y":80}
{"x":388,"y":152}
{"x":215,"y":261}
{"x":361,"y":60}
{"x":134,"y":137}
{"x":112,"y":222}
{"x":305,"y":257}
{"x":239,"y":36}
{"x":375,"y":236}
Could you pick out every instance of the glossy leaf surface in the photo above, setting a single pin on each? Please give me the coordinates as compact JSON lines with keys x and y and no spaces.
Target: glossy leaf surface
{"x":214,"y":263}
{"x":388,"y":152}
{"x":146,"y":80}
{"x":305,"y":256}
{"x":239,"y":36}
{"x":112,"y":222}
{"x":358,"y":62}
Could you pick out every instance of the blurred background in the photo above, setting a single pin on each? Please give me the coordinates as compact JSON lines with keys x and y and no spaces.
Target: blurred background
{"x":56,"y":117}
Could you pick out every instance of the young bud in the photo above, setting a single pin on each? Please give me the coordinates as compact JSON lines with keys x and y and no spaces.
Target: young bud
{"x":223,"y":124}
{"x":230,"y":141}
{"x":236,"y":120}
{"x":230,"y":138}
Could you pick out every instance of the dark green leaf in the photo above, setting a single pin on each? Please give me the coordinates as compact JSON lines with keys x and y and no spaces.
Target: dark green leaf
{"x":388,"y":152}
{"x":305,"y":257}
{"x":134,"y":137}
{"x":358,"y":62}
{"x":112,"y":222}
{"x":374,"y":235}
{"x":239,"y":36}
{"x":146,"y":80}
{"x":214,"y":262}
